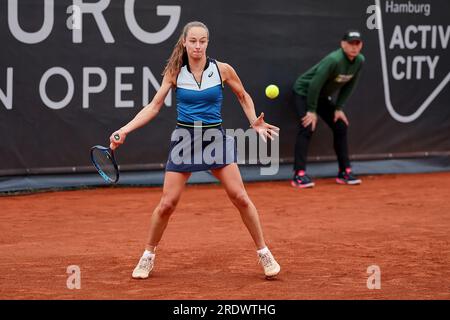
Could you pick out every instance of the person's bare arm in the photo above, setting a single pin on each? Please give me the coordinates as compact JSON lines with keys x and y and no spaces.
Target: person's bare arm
{"x":147,"y":114}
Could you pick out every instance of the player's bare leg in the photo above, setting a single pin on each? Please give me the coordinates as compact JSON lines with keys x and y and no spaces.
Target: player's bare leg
{"x":231,"y":179}
{"x":174,"y":183}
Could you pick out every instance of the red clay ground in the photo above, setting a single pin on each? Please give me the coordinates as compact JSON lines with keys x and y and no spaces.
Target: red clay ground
{"x":324,"y":238}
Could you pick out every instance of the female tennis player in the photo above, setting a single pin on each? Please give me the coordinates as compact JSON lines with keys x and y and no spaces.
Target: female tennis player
{"x":199,"y":81}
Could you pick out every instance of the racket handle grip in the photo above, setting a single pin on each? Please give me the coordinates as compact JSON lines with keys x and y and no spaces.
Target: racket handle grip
{"x":117,"y":137}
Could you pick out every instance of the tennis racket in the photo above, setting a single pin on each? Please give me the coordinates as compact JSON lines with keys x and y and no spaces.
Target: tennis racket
{"x":104,"y":161}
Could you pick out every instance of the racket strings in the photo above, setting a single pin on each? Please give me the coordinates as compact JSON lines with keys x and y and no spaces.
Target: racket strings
{"x":104,"y":163}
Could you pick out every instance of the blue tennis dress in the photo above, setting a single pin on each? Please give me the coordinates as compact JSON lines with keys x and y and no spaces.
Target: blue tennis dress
{"x":199,"y":142}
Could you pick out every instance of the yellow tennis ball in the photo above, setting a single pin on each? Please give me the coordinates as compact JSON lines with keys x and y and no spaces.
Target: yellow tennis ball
{"x":272,"y":91}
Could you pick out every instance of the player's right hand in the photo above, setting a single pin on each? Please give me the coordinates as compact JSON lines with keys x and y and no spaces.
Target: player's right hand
{"x":310,"y":119}
{"x":114,"y":143}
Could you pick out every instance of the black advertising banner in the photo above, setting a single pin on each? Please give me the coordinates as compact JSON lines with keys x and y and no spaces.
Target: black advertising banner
{"x":72,"y":72}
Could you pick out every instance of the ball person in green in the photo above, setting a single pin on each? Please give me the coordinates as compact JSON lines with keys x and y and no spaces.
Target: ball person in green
{"x":338,"y":74}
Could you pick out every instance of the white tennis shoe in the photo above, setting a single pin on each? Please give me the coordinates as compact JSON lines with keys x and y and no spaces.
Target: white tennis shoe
{"x":144,"y":267}
{"x":269,"y":264}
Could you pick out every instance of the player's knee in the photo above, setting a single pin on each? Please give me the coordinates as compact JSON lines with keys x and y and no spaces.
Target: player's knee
{"x":167,"y":206}
{"x":241,"y":200}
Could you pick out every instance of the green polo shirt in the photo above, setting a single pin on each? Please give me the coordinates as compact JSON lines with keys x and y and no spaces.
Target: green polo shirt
{"x":333,"y":73}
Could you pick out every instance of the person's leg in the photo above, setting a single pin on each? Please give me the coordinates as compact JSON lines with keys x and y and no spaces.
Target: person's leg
{"x":340,"y":144}
{"x":231,"y":179}
{"x":339,"y":128}
{"x":345,"y":176}
{"x":174,"y":183}
{"x":303,"y":136}
{"x":300,"y":179}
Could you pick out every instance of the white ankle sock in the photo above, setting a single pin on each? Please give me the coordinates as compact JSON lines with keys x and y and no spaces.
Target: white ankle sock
{"x":262,"y":251}
{"x":148,"y":254}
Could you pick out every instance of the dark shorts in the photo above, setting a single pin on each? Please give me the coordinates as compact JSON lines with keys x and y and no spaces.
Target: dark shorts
{"x":200,"y":149}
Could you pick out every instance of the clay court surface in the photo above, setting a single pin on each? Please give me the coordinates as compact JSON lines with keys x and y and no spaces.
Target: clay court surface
{"x":324,"y":238}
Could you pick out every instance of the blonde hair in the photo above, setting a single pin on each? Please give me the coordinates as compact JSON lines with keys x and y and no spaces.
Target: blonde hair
{"x":178,"y":56}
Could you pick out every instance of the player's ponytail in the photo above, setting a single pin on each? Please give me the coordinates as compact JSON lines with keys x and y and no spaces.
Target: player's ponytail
{"x":179,"y":55}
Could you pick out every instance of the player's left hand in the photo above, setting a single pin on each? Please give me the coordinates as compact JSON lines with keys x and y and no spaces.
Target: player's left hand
{"x":265,"y":129}
{"x":339,"y":114}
